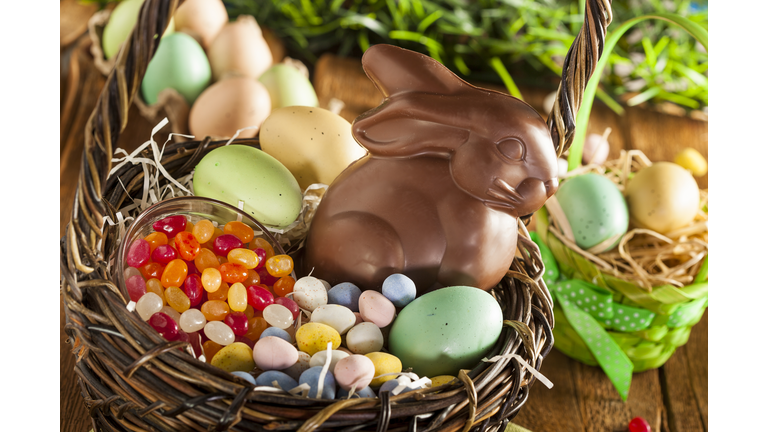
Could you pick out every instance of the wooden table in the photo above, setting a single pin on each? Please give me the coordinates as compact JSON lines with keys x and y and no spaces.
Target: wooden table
{"x":673,"y":398}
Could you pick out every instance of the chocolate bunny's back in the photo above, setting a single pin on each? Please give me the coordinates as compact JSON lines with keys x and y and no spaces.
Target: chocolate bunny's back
{"x":450,"y":167}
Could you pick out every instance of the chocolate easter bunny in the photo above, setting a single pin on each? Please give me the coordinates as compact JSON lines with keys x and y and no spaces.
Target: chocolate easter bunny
{"x":450,"y":168}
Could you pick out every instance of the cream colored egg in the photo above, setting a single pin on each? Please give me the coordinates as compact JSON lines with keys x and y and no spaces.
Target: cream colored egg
{"x":229,"y":105}
{"x":315,"y":144}
{"x":201,"y":19}
{"x":240,"y":49}
{"x":663,"y":197}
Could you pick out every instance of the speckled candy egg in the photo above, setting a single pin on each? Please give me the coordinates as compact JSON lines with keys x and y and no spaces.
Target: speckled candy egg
{"x":314,"y":337}
{"x":339,"y":317}
{"x":376,"y":308}
{"x":446,"y":330}
{"x":364,"y":338}
{"x":595,"y":209}
{"x":273,"y":353}
{"x":384,"y":363}
{"x":309,"y":293}
{"x":237,"y":172}
{"x":234,"y":357}
{"x":354,"y":371}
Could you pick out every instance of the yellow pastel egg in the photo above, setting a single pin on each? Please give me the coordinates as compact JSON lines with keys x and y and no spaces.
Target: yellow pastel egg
{"x":384,"y":363}
{"x":314,"y":337}
{"x":693,"y":161}
{"x":662,"y":197}
{"x":234,"y":357}
{"x":441,"y":379}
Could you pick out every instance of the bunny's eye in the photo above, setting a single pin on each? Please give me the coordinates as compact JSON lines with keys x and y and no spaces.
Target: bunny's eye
{"x":512,"y":149}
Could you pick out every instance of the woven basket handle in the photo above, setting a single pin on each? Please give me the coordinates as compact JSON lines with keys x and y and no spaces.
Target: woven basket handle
{"x":578,"y":67}
{"x":110,"y":115}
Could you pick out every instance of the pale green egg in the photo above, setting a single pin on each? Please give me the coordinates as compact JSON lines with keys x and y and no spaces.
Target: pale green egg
{"x":121,"y":22}
{"x":446,"y":330}
{"x":288,"y":87}
{"x":234,"y":173}
{"x":179,"y":63}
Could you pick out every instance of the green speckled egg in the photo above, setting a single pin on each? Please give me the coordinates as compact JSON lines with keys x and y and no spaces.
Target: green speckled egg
{"x":595,"y":209}
{"x":179,"y":63}
{"x":235,"y":173}
{"x":446,"y":330}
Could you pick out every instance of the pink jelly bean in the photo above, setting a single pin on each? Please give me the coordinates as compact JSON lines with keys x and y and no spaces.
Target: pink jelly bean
{"x":193,"y":288}
{"x":259,"y":297}
{"x":171,"y":225}
{"x":164,"y":254}
{"x":138,"y":253}
{"x":290,"y":304}
{"x":238,"y":322}
{"x":136,"y":286}
{"x":262,"y":254}
{"x":165,"y":325}
{"x":266,"y":278}
{"x":225,"y":243}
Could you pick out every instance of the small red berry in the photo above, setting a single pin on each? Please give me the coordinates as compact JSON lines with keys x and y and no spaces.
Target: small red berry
{"x":638,"y":424}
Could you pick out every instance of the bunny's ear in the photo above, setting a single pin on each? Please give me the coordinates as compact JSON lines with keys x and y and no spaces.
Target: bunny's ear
{"x":395,"y":70}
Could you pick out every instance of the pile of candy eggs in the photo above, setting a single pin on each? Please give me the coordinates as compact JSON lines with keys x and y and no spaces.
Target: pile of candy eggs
{"x":228,"y":294}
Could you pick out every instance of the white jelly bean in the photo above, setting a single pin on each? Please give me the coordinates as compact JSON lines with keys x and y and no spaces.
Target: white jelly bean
{"x":192,"y":320}
{"x":149,"y":304}
{"x":219,"y":332}
{"x":278,"y":316}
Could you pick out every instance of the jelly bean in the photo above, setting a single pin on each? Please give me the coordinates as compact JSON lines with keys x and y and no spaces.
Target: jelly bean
{"x":262,"y":254}
{"x":245,"y":340}
{"x":152,"y":270}
{"x":280,"y":265}
{"x":215,"y":310}
{"x":238,"y":322}
{"x":131,"y":271}
{"x":187,"y":245}
{"x":237,"y":297}
{"x":164,"y":325}
{"x":234,"y":357}
{"x":191,"y":268}
{"x":256,"y":327}
{"x":189,"y":227}
{"x":138,"y":254}
{"x":171,"y":225}
{"x":290,"y":304}
{"x":273,"y":353}
{"x":210,"y":348}
{"x":364,"y":338}
{"x":339,"y":317}
{"x":216,"y":232}
{"x":311,"y":377}
{"x":192,"y":320}
{"x":246,"y":257}
{"x":154,"y":285}
{"x":259,"y":242}
{"x":203,"y":230}
{"x":639,"y":424}
{"x":278,"y":316}
{"x":384,"y":363}
{"x":313,"y":337}
{"x":277,"y":332}
{"x":345,"y":294}
{"x":252,"y":279}
{"x":225,"y":243}
{"x":211,"y":279}
{"x":284,"y":286}
{"x":221,"y":260}
{"x":355,"y":371}
{"x":245,"y":375}
{"x":274,"y":378}
{"x":148,"y":305}
{"x":309,"y":293}
{"x":164,"y":254}
{"x":196,"y":341}
{"x":193,"y":288}
{"x":219,"y":332}
{"x":259,"y":297}
{"x":249,"y":312}
{"x":233,"y":272}
{"x":136,"y":287}
{"x":266,"y":278}
{"x":220,"y":294}
{"x":399,"y":289}
{"x":156,"y":239}
{"x":174,"y":274}
{"x":171,"y":312}
{"x":376,"y":308}
{"x":239,"y":230}
{"x":206,"y":259}
{"x":177,"y":299}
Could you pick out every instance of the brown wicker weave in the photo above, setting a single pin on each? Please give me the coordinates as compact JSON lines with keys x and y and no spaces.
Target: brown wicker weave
{"x":133,"y":379}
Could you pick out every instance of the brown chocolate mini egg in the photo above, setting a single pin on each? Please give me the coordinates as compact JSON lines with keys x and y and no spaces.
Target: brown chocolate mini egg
{"x":229,"y":105}
{"x":240,"y":49}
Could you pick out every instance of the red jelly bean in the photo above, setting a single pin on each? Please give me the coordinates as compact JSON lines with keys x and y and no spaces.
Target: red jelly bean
{"x":638,"y":424}
{"x":225,"y":243}
{"x":165,"y":325}
{"x":290,"y":304}
{"x":266,"y":278}
{"x":262,"y":254}
{"x":187,"y":245}
{"x":196,"y":340}
{"x":259,"y":297}
{"x":138,"y":253}
{"x":246,"y":340}
{"x":192,"y":269}
{"x":193,"y":288}
{"x":164,"y":254}
{"x":171,"y":225}
{"x":238,"y":322}
{"x":136,"y":287}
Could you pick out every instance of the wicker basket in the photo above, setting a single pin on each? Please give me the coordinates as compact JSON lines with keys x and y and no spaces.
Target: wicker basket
{"x":133,"y":379}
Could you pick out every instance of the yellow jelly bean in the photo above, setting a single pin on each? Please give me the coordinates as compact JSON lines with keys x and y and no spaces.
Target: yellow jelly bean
{"x":203,"y":230}
{"x":280,"y":265}
{"x":314,"y":337}
{"x":211,"y":279}
{"x":177,"y":299}
{"x":237,"y":297}
{"x":234,"y":357}
{"x":384,"y":363}
{"x":243,"y":256}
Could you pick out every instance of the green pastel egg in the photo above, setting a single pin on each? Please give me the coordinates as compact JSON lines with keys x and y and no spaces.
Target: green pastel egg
{"x":446,"y":330}
{"x":121,"y":21}
{"x":288,"y":87}
{"x":595,"y":209}
{"x":235,"y":173}
{"x":179,"y":63}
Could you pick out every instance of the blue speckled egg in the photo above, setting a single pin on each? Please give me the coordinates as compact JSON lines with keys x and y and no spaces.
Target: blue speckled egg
{"x":399,"y":289}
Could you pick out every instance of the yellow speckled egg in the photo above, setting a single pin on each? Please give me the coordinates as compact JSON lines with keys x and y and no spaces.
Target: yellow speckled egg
{"x":384,"y":363}
{"x":663,"y":197}
{"x":441,"y":379}
{"x":234,"y":357}
{"x":314,"y":337}
{"x":315,"y":144}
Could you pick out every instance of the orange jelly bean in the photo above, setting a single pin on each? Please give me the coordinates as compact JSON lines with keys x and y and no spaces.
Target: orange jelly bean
{"x":174,"y":274}
{"x":211,"y":279}
{"x":177,"y":299}
{"x":187,"y":245}
{"x":237,"y":297}
{"x":215,"y":310}
{"x":203,"y":230}
{"x":249,"y":312}
{"x":239,"y":230}
{"x":206,"y":259}
{"x":154,"y":285}
{"x":152,"y":270}
{"x":259,"y":242}
{"x":280,"y":265}
{"x":243,"y":256}
{"x":189,"y":227}
{"x":221,"y":293}
{"x":156,"y":239}
{"x":233,"y":272}
{"x":256,"y":326}
{"x":216,"y":232}
{"x":210,"y":348}
{"x":284,"y":286}
{"x":252,"y":279}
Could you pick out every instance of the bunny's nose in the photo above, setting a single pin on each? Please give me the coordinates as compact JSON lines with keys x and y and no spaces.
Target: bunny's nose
{"x":551,"y":186}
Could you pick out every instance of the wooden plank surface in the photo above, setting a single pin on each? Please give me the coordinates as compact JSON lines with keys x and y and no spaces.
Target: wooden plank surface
{"x":673,"y":398}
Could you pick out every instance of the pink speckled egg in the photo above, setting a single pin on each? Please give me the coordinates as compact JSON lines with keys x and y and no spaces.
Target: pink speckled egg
{"x":354,"y":371}
{"x":376,"y":308}
{"x":274,"y":353}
